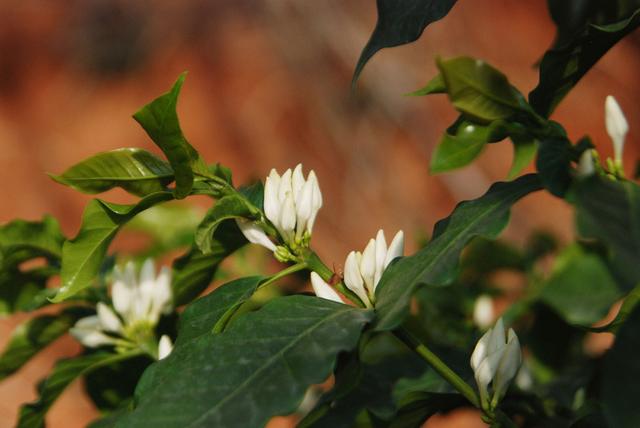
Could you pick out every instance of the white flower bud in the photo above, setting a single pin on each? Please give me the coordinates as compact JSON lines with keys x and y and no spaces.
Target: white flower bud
{"x":324,"y":290}
{"x":254,"y":234}
{"x":585,"y":164}
{"x":164,"y":347}
{"x":483,"y":312}
{"x":617,"y":126}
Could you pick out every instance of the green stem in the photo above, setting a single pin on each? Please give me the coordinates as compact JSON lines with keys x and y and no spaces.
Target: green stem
{"x":438,"y":365}
{"x":315,"y":264}
{"x":284,"y":272}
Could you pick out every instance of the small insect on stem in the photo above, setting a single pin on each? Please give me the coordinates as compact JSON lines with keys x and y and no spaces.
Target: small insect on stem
{"x":337,"y":276}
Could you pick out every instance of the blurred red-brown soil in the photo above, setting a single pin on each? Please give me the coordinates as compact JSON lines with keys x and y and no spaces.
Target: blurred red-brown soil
{"x":268,"y":86}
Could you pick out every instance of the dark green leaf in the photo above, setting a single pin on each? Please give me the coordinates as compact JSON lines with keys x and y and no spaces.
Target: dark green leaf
{"x":64,"y":372}
{"x":620,"y":390}
{"x":209,"y":313}
{"x":135,"y":170}
{"x":30,"y":337}
{"x":258,"y":368}
{"x":479,"y":90}
{"x":554,"y":165}
{"x":435,"y":264}
{"x":83,"y":255}
{"x":609,"y":211}
{"x":111,"y":387}
{"x":580,"y":288}
{"x":22,"y":240}
{"x":160,"y":120}
{"x":458,"y":150}
{"x":228,"y":208}
{"x":574,"y":54}
{"x":400,"y":22}
{"x":194,"y":271}
{"x":24,"y":291}
{"x":628,"y":305}
{"x":435,"y":86}
{"x":420,"y":406}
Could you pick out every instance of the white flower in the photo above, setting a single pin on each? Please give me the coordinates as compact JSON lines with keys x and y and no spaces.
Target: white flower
{"x":255,"y":234}
{"x":324,"y":290}
{"x":291,"y":203}
{"x":617,"y":126}
{"x":164,"y":347}
{"x":585,"y":164}
{"x":362,"y":271}
{"x":138,"y":302}
{"x":483,"y":312}
{"x":495,"y":359}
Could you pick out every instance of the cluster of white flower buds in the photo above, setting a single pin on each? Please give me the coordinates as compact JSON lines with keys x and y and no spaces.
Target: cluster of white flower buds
{"x":291,"y":204}
{"x":617,"y":128}
{"x":138,"y":303}
{"x":362,"y":271}
{"x":495,"y":360}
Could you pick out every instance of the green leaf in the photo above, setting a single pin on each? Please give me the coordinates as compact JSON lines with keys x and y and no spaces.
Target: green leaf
{"x":580,"y":288}
{"x":112,"y":387}
{"x":259,"y":367}
{"x":620,"y":391}
{"x":22,"y":240}
{"x":209,"y":313}
{"x":479,"y":90}
{"x":435,"y":86}
{"x":609,"y":211}
{"x":577,"y":51}
{"x":228,"y":208}
{"x":135,"y":170}
{"x":420,"y":406}
{"x":523,"y":153}
{"x":160,"y":120}
{"x":631,"y":300}
{"x":400,"y":22}
{"x":24,"y":291}
{"x":435,"y":264}
{"x":83,"y":255}
{"x":33,"y":335}
{"x":64,"y":372}
{"x":554,"y":165}
{"x":458,"y":150}
{"x":194,"y":271}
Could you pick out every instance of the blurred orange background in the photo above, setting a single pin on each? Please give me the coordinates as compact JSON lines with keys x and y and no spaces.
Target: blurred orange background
{"x":268,"y":86}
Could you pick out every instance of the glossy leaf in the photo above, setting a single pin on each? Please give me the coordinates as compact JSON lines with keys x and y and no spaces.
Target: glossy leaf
{"x":554,"y":165}
{"x":160,"y":120}
{"x":609,"y":211}
{"x":523,"y":153}
{"x":580,"y":288}
{"x":400,"y":22}
{"x":435,"y":264}
{"x":135,"y":170}
{"x":112,"y":387}
{"x":33,"y":335}
{"x":194,"y":271}
{"x":478,"y":90}
{"x":228,"y":208}
{"x":572,"y":57}
{"x":83,"y":255}
{"x":620,"y":391}
{"x":64,"y":372}
{"x":259,"y":367}
{"x":210,"y":313}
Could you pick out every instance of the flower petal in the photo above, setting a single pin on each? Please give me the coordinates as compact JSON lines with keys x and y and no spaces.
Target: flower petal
{"x":254,"y":234}
{"x":353,"y":279}
{"x":368,"y":265}
{"x":164,"y":347}
{"x":483,"y":312}
{"x":396,"y":248}
{"x":616,"y":124}
{"x":271,"y":202}
{"x":324,"y":290}
{"x":109,"y":321}
{"x":509,"y":365}
{"x":585,"y":164}
{"x":381,"y":255}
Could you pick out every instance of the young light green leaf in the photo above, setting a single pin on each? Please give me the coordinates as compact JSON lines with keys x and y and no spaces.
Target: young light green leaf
{"x":580,"y":289}
{"x":64,"y":372}
{"x":478,"y":90}
{"x":435,"y":264}
{"x":400,"y":22}
{"x":259,"y":367}
{"x":160,"y":120}
{"x":435,"y":86}
{"x":135,"y":170}
{"x":577,"y":51}
{"x":620,"y":391}
{"x":523,"y":153}
{"x":609,"y":211}
{"x":208,"y":314}
{"x":194,"y":271}
{"x":83,"y":255}
{"x":228,"y":208}
{"x":33,"y":335}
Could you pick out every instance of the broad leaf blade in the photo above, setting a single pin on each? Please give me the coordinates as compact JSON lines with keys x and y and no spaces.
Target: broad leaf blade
{"x":21,"y":240}
{"x":160,"y":120}
{"x":65,"y":371}
{"x":258,"y":368}
{"x":435,"y":264}
{"x":400,"y":22}
{"x":33,"y":335}
{"x":135,"y":170}
{"x":523,"y":154}
{"x":83,"y":255}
